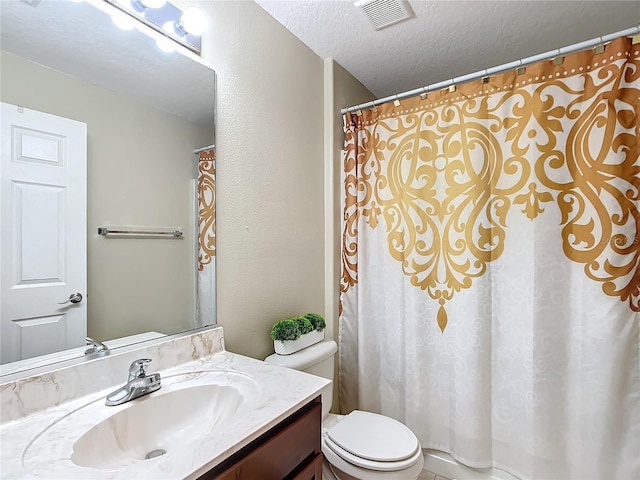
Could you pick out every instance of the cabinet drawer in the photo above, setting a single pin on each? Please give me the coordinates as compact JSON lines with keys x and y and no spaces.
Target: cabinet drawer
{"x":286,"y":451}
{"x":313,"y":470}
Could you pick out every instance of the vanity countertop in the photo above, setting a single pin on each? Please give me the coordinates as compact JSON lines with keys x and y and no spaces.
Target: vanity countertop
{"x":40,"y":445}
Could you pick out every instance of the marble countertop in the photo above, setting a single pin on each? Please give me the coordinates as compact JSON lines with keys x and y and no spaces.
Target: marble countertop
{"x":40,"y":444}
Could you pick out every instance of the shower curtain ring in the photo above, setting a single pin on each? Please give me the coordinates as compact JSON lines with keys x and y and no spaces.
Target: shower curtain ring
{"x":559,"y":59}
{"x":396,"y":102}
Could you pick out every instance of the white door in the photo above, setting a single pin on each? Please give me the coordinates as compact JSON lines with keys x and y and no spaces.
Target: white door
{"x":42,"y":233}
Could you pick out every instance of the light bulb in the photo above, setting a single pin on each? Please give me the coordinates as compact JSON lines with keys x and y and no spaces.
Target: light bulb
{"x":165,"y":45}
{"x":193,"y":21}
{"x":123,"y":21}
{"x":169,"y":27}
{"x":153,"y":3}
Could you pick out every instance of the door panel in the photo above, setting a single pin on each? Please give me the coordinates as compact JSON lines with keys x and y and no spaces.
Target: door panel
{"x":32,"y":146}
{"x":39,"y":214}
{"x":38,"y":336}
{"x":43,"y":237}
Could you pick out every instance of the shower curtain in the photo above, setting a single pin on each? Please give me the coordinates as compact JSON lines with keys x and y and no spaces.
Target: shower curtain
{"x":491,"y":267}
{"x":206,"y":309}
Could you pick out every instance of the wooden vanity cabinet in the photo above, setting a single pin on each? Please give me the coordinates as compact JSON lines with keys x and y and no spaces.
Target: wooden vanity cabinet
{"x":289,"y":451}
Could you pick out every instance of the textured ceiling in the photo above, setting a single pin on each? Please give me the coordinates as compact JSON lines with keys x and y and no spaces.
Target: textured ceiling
{"x":79,"y":39}
{"x":446,"y":39}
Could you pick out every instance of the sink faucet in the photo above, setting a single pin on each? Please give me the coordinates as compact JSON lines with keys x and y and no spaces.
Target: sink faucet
{"x":139,"y":383}
{"x":96,"y":347}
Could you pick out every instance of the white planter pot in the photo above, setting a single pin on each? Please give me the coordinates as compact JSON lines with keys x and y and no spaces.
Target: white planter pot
{"x":288,"y":347}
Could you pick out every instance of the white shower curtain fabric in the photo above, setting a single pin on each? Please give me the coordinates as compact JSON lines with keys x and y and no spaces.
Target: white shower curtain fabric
{"x":491,"y":268}
{"x":206,"y":280}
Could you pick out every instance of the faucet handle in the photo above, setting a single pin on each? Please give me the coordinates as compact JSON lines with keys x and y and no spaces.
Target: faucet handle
{"x":138,"y":369}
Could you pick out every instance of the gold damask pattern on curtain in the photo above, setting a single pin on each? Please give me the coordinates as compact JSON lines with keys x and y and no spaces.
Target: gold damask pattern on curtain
{"x":443,"y":173}
{"x":206,"y":208}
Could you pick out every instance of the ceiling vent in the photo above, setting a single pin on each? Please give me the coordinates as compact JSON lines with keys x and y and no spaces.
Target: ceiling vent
{"x":382,"y":13}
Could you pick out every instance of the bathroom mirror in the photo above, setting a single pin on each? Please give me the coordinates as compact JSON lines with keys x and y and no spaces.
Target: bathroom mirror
{"x":145,"y":111}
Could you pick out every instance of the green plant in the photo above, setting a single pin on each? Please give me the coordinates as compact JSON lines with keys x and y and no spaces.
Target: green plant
{"x":285,"y":330}
{"x":317,"y":321}
{"x":304,"y":325}
{"x":293,"y":328}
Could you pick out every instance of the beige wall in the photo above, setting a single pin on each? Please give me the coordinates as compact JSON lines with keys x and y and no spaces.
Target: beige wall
{"x":269,"y":199}
{"x":140,"y":171}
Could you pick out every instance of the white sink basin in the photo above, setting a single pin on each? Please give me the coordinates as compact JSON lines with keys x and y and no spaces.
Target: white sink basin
{"x":156,"y":425}
{"x":187,"y":408}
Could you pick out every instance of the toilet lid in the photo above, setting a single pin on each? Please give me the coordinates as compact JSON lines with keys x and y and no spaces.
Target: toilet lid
{"x":374,"y":437}
{"x":330,"y":449}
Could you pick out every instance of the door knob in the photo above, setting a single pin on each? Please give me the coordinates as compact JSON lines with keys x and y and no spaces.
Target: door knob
{"x":73,"y":298}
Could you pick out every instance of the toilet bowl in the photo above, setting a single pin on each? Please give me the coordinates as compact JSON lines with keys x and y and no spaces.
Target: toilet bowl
{"x":360,"y":445}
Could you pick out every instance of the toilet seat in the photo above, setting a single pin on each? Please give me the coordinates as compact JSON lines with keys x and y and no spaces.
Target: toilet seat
{"x":374,"y":442}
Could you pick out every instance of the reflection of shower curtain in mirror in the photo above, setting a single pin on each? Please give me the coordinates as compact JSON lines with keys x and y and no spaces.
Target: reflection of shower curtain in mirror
{"x":491,"y":267}
{"x":206,"y":311}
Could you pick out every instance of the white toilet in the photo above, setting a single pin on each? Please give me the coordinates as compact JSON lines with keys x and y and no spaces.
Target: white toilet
{"x":361,"y":445}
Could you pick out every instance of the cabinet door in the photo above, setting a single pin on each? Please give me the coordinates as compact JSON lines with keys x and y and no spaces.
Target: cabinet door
{"x":291,"y":447}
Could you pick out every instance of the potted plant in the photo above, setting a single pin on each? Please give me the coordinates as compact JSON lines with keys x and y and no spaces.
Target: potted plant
{"x":296,"y":333}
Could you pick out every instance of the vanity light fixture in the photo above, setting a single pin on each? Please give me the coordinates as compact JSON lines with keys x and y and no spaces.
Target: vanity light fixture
{"x":191,"y":22}
{"x":184,"y":27}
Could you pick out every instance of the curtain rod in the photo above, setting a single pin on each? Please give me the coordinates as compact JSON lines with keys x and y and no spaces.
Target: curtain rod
{"x":198,"y":150}
{"x":499,"y":69}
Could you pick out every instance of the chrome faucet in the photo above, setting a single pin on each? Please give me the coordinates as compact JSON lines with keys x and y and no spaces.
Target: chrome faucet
{"x":138,"y":384}
{"x":96,"y":347}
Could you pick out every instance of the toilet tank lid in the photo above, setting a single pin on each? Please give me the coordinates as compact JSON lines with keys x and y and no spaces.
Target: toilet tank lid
{"x":306,"y":357}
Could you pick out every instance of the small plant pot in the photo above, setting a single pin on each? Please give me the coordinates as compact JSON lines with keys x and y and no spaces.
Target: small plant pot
{"x":287,"y":347}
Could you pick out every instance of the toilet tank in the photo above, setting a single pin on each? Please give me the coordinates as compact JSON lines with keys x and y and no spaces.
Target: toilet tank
{"x":319,"y":360}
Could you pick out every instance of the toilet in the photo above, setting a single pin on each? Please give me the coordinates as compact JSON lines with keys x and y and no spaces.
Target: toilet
{"x":360,"y":445}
